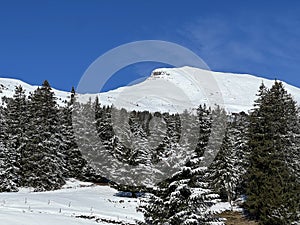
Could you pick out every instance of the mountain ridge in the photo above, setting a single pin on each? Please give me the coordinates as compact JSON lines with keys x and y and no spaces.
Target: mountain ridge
{"x":174,"y":90}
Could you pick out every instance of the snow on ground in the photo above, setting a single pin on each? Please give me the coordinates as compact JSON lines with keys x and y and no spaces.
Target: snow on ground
{"x":222,"y":207}
{"x":62,"y":207}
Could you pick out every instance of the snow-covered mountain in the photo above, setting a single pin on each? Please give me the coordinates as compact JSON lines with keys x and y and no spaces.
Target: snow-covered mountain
{"x":175,"y":89}
{"x":7,"y":89}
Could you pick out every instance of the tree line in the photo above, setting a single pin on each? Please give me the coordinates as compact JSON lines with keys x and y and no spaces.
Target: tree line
{"x":41,"y":145}
{"x":37,"y":143}
{"x":258,"y":160}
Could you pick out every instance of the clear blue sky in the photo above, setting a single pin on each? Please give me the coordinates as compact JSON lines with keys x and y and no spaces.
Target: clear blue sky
{"x":58,"y":40}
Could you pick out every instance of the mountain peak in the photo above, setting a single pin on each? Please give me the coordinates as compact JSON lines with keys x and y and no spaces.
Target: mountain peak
{"x":174,"y":90}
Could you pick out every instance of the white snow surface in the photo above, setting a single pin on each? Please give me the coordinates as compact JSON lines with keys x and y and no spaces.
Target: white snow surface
{"x":62,"y":206}
{"x":8,"y":85}
{"x":175,"y":89}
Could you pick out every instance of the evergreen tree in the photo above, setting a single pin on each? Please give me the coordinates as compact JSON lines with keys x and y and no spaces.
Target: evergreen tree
{"x":182,"y":199}
{"x":85,"y":124}
{"x":166,"y":139}
{"x":16,"y":118}
{"x":272,"y":191}
{"x":227,"y":171}
{"x":223,"y":172}
{"x":131,"y":138}
{"x":41,"y":163}
{"x":185,"y":197}
{"x":15,"y":126}
{"x":74,"y":164}
{"x":104,"y":126}
{"x":204,"y":131}
{"x":9,"y":178}
{"x":2,"y":124}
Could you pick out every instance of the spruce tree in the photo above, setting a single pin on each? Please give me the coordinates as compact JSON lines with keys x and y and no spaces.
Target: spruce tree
{"x":104,"y":126}
{"x":182,"y":199}
{"x":9,"y":172}
{"x":271,"y":189}
{"x":74,"y":163}
{"x":16,"y":118}
{"x":185,"y":197}
{"x":2,"y":124}
{"x":41,"y":163}
{"x":85,"y":124}
{"x":223,"y":173}
{"x":15,"y":126}
{"x":228,"y":168}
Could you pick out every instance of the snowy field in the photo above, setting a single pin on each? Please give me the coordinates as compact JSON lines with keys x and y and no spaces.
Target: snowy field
{"x":69,"y":205}
{"x":63,"y":207}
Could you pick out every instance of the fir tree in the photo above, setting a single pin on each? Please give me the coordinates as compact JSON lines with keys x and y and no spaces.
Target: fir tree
{"x":272,"y":192}
{"x":9,"y":173}
{"x":15,"y":126}
{"x":42,"y":166}
{"x":16,"y":118}
{"x":74,"y":164}
{"x":2,"y":124}
{"x":185,"y":197}
{"x":227,"y":171}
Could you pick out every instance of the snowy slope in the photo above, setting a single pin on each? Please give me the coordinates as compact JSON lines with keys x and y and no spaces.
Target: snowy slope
{"x":175,"y":89}
{"x":7,"y":88}
{"x":171,"y":89}
{"x":64,"y":206}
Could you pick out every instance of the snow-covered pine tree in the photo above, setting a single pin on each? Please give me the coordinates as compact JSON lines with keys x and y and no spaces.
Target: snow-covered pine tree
{"x":171,"y":136}
{"x":222,"y":172}
{"x":74,"y":163}
{"x":132,"y":148}
{"x":104,"y":126}
{"x":182,"y":199}
{"x":16,"y":118}
{"x":227,"y":170}
{"x":41,"y":164}
{"x":185,"y":197}
{"x":9,"y":173}
{"x":85,"y":130}
{"x":205,"y":122}
{"x":294,"y":156}
{"x":218,"y":125}
{"x":138,"y":122}
{"x":240,"y":125}
{"x":84,"y":123}
{"x":15,"y":126}
{"x":292,"y":136}
{"x":271,"y":189}
{"x":2,"y":123}
{"x":85,"y":143}
{"x":131,"y":144}
{"x":125,"y":142}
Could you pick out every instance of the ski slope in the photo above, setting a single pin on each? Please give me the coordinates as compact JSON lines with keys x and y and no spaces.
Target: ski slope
{"x":174,"y":90}
{"x":66,"y":205}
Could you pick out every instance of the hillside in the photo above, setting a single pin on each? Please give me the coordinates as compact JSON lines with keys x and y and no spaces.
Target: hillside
{"x":175,"y":89}
{"x":49,"y":161}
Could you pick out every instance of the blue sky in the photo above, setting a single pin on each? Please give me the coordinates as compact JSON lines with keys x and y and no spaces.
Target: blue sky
{"x":58,"y":40}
